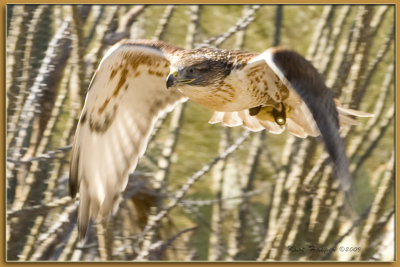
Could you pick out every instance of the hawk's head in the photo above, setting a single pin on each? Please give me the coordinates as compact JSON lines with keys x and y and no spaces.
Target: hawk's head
{"x":201,"y":74}
{"x":198,"y":71}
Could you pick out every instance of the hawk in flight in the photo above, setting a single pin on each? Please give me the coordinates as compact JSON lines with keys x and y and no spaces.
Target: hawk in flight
{"x":137,"y":81}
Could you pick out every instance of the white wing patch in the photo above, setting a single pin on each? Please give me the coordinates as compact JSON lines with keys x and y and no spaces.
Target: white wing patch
{"x":243,"y":117}
{"x":126,"y":96}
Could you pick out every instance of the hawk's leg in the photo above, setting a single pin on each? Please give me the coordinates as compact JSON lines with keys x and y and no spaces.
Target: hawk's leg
{"x":254,"y":111}
{"x":270,"y":113}
{"x":280,"y":116}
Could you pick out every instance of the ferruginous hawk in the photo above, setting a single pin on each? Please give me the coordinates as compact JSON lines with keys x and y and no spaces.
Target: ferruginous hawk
{"x":138,"y":80}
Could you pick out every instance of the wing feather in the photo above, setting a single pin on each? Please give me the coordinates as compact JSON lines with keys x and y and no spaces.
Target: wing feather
{"x":126,"y":96}
{"x":299,"y":74}
{"x":313,"y":110}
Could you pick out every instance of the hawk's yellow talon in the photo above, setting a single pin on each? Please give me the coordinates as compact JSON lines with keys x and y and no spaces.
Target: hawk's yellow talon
{"x":280,"y":120}
{"x":265,"y":114}
{"x":269,"y":113}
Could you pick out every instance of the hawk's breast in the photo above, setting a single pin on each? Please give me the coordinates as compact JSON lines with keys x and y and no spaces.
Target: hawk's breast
{"x":250,"y":87}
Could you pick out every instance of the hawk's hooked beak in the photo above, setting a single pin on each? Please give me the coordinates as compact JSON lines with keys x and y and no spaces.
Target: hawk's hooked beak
{"x":171,"y":79}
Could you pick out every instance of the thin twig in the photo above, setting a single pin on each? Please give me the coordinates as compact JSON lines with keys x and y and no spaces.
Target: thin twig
{"x":359,"y":141}
{"x":373,"y":67}
{"x":125,"y":23}
{"x":45,"y":156}
{"x":41,"y":208}
{"x":164,"y":22}
{"x":374,"y":137}
{"x":160,"y":247}
{"x":209,"y":202}
{"x":242,"y":24}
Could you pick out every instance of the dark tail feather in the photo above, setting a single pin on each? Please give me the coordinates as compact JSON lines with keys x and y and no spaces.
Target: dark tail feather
{"x":311,"y":87}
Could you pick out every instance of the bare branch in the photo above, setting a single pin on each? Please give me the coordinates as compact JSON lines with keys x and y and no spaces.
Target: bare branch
{"x":354,"y":41}
{"x":369,"y":232}
{"x":124,"y":25}
{"x":242,"y":24}
{"x":55,"y":233}
{"x":319,"y":31}
{"x":358,"y":142}
{"x":164,"y":22}
{"x":160,"y":247}
{"x":45,"y":156}
{"x":372,"y":68}
{"x":41,"y":209}
{"x":373,"y":138}
{"x":26,"y":70}
{"x":333,"y":42}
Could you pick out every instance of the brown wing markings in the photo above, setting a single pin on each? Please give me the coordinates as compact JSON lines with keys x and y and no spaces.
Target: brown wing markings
{"x":282,"y":89}
{"x":225,"y":98}
{"x":103,"y":106}
{"x":227,"y":89}
{"x":277,"y":95}
{"x":135,"y":60}
{"x":254,"y":71}
{"x":157,"y":73}
{"x":121,"y":82}
{"x":116,"y":91}
{"x":113,"y":73}
{"x":101,"y":127}
{"x":161,"y":74}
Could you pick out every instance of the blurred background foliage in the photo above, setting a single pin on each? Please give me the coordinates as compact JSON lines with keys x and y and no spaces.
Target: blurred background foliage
{"x":257,"y":196}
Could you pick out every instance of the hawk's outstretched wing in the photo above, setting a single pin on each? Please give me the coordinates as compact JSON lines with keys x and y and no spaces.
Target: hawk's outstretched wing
{"x":126,"y":96}
{"x":311,"y":108}
{"x":299,"y":74}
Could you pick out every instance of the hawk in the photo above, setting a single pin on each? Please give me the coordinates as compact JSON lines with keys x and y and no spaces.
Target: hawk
{"x":138,"y":80}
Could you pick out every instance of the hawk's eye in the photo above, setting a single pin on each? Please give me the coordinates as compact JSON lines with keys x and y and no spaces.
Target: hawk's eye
{"x":196,"y":69}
